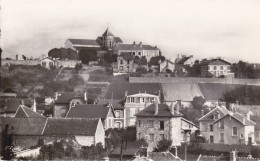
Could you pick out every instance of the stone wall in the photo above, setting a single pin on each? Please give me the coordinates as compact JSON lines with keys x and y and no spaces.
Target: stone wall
{"x":68,"y":63}
{"x":229,"y":80}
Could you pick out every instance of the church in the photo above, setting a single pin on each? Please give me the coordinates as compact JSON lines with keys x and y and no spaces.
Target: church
{"x":112,"y":44}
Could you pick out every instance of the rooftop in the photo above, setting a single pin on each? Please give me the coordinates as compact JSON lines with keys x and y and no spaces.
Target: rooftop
{"x":66,"y":97}
{"x":84,"y":42}
{"x":24,"y":111}
{"x":135,"y":47}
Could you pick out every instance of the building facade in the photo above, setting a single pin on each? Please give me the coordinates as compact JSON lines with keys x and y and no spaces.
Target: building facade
{"x":159,"y":121}
{"x":125,"y":64}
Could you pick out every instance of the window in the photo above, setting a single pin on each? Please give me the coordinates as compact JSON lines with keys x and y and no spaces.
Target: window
{"x":211,"y":139}
{"x":151,"y":137}
{"x":132,"y":112}
{"x":242,"y":136}
{"x":161,"y":125}
{"x":139,"y":53}
{"x":121,"y":67}
{"x":43,"y":63}
{"x":128,"y":61}
{"x":216,"y":115}
{"x":117,"y":114}
{"x":118,"y":124}
{"x":211,"y":127}
{"x":133,"y":53}
{"x":121,"y":61}
{"x":222,"y":137}
{"x":139,"y":123}
{"x":162,"y":136}
{"x":228,"y":67}
{"x":132,"y":99}
{"x":234,"y":131}
{"x":151,"y":123}
{"x":221,"y":124}
{"x":221,"y":67}
{"x":215,"y":68}
{"x":110,"y":44}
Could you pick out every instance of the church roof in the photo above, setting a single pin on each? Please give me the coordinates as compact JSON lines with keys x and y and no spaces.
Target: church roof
{"x":84,"y":42}
{"x":107,"y":33}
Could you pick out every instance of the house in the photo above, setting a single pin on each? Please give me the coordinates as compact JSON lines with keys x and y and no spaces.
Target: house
{"x":118,"y":92}
{"x":166,"y":65}
{"x":125,"y":63}
{"x":160,"y":121}
{"x":215,"y":67}
{"x":137,"y":50}
{"x":227,"y":127}
{"x":48,"y":63}
{"x":84,"y":131}
{"x":104,"y":112}
{"x":11,"y":105}
{"x":136,"y":103}
{"x":185,"y":92}
{"x":65,"y":100}
{"x":26,"y":131}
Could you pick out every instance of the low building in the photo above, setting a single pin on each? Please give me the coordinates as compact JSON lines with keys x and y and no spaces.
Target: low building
{"x":104,"y":112}
{"x":227,"y":127}
{"x":48,"y":63}
{"x":166,"y":65}
{"x":215,"y":67}
{"x":160,"y":121}
{"x":65,"y":100}
{"x":84,"y":131}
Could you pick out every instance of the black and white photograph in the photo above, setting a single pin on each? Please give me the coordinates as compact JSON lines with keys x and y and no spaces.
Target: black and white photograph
{"x":130,"y":80}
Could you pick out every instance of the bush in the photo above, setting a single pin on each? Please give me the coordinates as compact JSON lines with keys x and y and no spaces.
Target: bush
{"x":163,"y":145}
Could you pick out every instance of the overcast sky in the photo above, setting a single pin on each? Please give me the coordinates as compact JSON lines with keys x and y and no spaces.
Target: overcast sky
{"x":203,"y":28}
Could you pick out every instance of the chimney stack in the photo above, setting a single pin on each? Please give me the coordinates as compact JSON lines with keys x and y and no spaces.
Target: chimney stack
{"x":126,"y":93}
{"x":248,"y":114}
{"x":172,"y":108}
{"x":178,"y":106}
{"x":85,"y":96}
{"x":141,"y":44}
{"x":56,"y":95}
{"x":22,"y":102}
{"x":156,"y":108}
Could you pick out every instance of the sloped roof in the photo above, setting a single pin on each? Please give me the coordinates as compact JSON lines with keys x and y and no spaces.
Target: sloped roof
{"x":118,"y":90}
{"x":12,"y":104}
{"x":127,"y":55}
{"x":215,"y":91}
{"x":24,"y":111}
{"x":88,"y":111}
{"x":239,"y":118}
{"x":71,"y":126}
{"x":129,"y":151}
{"x":163,"y":111}
{"x":117,"y":104}
{"x":84,"y":42}
{"x":224,"y":112}
{"x":180,"y":91}
{"x":66,"y":97}
{"x":107,"y":33}
{"x":135,"y":47}
{"x":256,"y":119}
{"x":24,"y":126}
{"x":163,"y":156}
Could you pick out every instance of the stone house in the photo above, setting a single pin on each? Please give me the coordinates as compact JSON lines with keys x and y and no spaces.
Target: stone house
{"x":48,"y":62}
{"x":84,"y":131}
{"x":136,"y":103}
{"x":227,"y":127}
{"x":216,"y":67}
{"x":160,"y":121}
{"x":104,"y":112}
{"x":65,"y":100}
{"x":125,"y":63}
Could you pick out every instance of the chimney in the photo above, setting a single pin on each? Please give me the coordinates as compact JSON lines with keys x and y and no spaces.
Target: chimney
{"x":134,"y":43}
{"x":126,"y":93}
{"x":22,"y":102}
{"x":34,"y":105}
{"x":85,"y":96}
{"x":156,"y":108}
{"x":249,"y":113}
{"x":141,"y":44}
{"x":172,"y":108}
{"x":233,"y":155}
{"x":56,"y":95}
{"x":202,"y":113}
{"x":178,"y":106}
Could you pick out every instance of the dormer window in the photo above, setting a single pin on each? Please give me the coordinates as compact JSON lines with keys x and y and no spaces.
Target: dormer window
{"x":216,"y":116}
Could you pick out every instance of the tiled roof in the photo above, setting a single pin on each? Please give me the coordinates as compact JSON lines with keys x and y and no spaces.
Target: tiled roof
{"x":127,"y":55}
{"x":135,"y":47}
{"x":84,"y":42}
{"x":163,"y":156}
{"x":24,"y":126}
{"x":12,"y":104}
{"x":88,"y":111}
{"x":118,"y":40}
{"x":217,"y":61}
{"x":215,"y":91}
{"x":24,"y":111}
{"x":239,"y":118}
{"x":118,"y":90}
{"x":66,"y":97}
{"x":107,"y":33}
{"x":163,"y":111}
{"x":129,"y":151}
{"x":223,"y":111}
{"x":180,"y":91}
{"x":70,"y":126}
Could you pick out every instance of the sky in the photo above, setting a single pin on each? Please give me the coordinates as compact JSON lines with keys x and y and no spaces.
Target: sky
{"x":229,"y":29}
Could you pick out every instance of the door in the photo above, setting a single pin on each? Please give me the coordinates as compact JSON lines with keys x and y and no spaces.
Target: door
{"x":211,"y":139}
{"x":249,"y":140}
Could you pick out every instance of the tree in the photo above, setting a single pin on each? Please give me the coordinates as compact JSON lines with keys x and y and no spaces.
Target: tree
{"x":163,"y":145}
{"x":63,"y":54}
{"x":24,"y":57}
{"x":87,"y":55}
{"x":143,"y":60}
{"x":198,"y":102}
{"x":155,"y":60}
